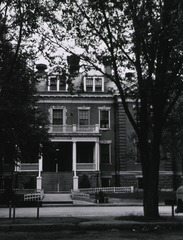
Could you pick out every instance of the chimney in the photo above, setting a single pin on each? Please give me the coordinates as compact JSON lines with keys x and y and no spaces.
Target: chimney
{"x":41,"y":70}
{"x":107,"y":65}
{"x":73,"y":63}
{"x":129,"y":76}
{"x":41,"y":77}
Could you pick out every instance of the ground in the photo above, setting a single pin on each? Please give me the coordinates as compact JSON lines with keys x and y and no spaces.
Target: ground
{"x":91,"y":235}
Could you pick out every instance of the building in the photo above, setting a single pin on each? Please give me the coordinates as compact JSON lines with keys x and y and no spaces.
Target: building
{"x":92,"y":143}
{"x":82,"y":148}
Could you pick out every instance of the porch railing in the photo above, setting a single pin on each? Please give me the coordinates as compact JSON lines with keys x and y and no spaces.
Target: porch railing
{"x":85,"y":166}
{"x":27,"y":167}
{"x":74,"y":128}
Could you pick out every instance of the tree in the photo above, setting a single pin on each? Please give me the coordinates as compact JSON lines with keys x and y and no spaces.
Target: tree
{"x":172,"y":141}
{"x":22,"y":125}
{"x":145,"y":37}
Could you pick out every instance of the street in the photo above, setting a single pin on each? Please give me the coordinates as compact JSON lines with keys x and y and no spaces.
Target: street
{"x":87,"y":222}
{"x":91,"y":235}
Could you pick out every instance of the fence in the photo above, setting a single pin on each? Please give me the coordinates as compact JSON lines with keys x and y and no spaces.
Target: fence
{"x":18,"y":190}
{"x":34,"y":196}
{"x":129,"y":189}
{"x":80,"y":196}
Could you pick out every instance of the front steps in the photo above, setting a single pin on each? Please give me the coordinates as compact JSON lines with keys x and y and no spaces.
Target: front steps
{"x":53,"y":199}
{"x":50,"y":181}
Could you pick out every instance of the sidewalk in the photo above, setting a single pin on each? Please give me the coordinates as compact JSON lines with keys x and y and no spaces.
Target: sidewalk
{"x":88,"y":217}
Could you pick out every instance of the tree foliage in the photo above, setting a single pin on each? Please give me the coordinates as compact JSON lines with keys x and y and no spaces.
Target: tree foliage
{"x":172,"y":141}
{"x":22,"y":125}
{"x":145,"y":37}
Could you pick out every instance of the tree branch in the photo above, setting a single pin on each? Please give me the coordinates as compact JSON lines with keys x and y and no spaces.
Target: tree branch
{"x":123,"y":98}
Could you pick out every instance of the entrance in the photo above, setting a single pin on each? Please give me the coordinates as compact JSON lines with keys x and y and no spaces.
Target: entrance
{"x":57,"y":156}
{"x":85,"y":152}
{"x":57,"y":166}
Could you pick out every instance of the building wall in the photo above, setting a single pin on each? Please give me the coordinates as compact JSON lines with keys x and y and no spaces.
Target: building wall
{"x":130,"y":173}
{"x":124,"y":168}
{"x":94,"y":101}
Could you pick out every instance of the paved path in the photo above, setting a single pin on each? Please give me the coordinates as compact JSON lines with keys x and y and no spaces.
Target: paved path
{"x":57,"y":197}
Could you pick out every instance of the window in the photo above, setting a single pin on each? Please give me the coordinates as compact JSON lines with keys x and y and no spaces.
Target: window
{"x":94,"y":84}
{"x":62,"y":85}
{"x":53,"y":83}
{"x":56,"y":83}
{"x":105,"y":153}
{"x":83,"y":117}
{"x":57,"y":116}
{"x":98,"y":84}
{"x":104,"y":119}
{"x":89,"y":84}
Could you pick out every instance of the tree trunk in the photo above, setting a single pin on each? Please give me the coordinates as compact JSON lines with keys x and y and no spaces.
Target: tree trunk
{"x":150,"y":168}
{"x":150,"y":198}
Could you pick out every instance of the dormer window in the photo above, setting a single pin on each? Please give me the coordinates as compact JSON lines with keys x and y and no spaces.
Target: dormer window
{"x":98,"y":84}
{"x":62,"y":85}
{"x":93,"y":84}
{"x":89,"y":84}
{"x":55,"y":83}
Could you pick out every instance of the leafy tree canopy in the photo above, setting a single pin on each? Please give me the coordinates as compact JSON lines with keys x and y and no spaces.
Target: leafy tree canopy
{"x":22,"y":124}
{"x":145,"y":37}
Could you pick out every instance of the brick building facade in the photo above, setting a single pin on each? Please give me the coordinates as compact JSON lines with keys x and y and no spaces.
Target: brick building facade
{"x":92,"y":143}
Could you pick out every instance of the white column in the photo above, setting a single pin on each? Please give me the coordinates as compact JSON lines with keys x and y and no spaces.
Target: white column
{"x":97,"y":155}
{"x":39,"y":178}
{"x":40,"y":164}
{"x":75,"y":183}
{"x":74,"y":157}
{"x":39,"y":184}
{"x":75,"y":178}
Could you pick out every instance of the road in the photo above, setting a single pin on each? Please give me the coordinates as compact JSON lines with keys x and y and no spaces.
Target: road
{"x":91,"y":235}
{"x":84,"y":216}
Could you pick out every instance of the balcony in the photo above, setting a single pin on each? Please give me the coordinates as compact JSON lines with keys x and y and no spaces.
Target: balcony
{"x":74,"y":129}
